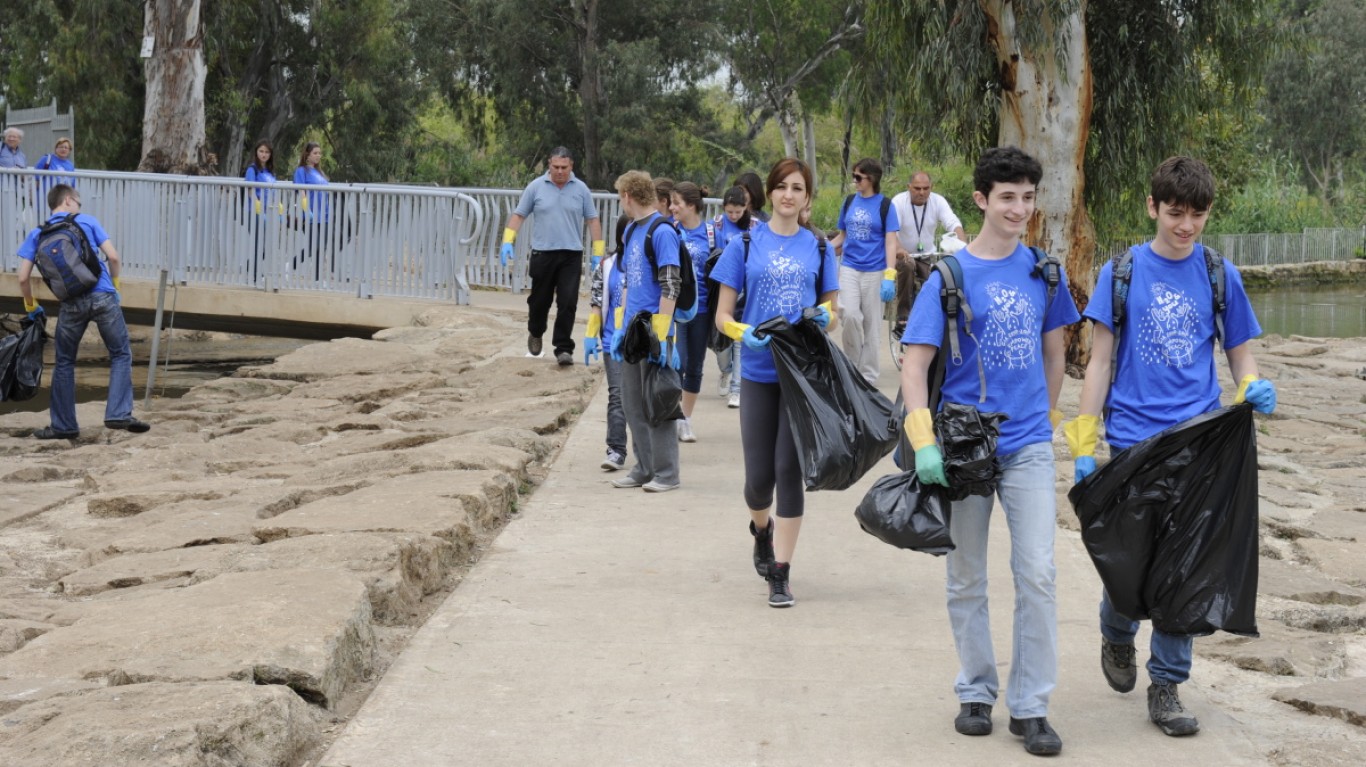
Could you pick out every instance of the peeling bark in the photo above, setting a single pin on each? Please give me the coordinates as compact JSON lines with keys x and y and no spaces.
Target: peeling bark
{"x":1046,"y":103}
{"x":173,"y":113}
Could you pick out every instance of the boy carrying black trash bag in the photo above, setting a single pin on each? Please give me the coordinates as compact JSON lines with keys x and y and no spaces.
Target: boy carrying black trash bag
{"x":1009,"y":359}
{"x":1156,"y":313}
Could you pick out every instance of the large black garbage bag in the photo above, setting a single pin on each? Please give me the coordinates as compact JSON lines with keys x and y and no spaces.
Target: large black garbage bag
{"x":842,"y":425}
{"x":663,"y":393}
{"x":899,"y":510}
{"x":21,"y":362}
{"x":1171,"y":525}
{"x":967,"y":438}
{"x":640,"y":342}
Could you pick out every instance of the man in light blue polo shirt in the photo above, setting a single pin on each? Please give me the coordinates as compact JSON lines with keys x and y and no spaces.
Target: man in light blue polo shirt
{"x":562,"y":203}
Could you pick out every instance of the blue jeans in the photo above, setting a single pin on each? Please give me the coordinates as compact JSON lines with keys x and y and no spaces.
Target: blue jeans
{"x":729,"y":362}
{"x":76,"y":314}
{"x":691,"y":338}
{"x":616,"y":416}
{"x":1169,"y":658}
{"x":1027,"y":496}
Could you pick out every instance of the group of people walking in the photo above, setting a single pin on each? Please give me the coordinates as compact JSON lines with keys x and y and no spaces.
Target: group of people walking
{"x":1009,"y":358}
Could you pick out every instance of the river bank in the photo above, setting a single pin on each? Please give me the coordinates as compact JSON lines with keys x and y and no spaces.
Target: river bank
{"x":227,"y":588}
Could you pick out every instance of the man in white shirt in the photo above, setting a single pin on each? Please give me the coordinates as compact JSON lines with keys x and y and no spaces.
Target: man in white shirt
{"x":921,"y":213}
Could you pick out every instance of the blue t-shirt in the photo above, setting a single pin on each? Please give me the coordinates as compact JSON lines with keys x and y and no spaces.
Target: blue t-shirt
{"x":779,"y":279}
{"x":260,"y":176}
{"x":612,"y":286}
{"x":1008,"y":302}
{"x":695,"y":240}
{"x":318,"y":202}
{"x":726,"y":230}
{"x":560,"y":212}
{"x":1166,"y":370}
{"x":642,"y":286}
{"x":865,"y":241}
{"x":93,"y":232}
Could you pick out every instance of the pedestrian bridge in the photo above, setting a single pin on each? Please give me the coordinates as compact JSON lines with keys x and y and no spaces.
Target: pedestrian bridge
{"x":280,"y":259}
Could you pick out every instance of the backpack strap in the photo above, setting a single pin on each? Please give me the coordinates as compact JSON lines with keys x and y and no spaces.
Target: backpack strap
{"x":844,"y":209}
{"x":1050,"y":269}
{"x":886,"y":206}
{"x":956,"y":311}
{"x":711,"y":237}
{"x":1121,"y":274}
{"x":1214,"y":265}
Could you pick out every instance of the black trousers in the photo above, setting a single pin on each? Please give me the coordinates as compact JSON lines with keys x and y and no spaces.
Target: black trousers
{"x":555,"y":276}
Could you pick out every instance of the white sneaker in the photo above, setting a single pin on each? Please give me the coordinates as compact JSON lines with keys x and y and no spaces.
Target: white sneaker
{"x":723,"y":386}
{"x":734,"y":401}
{"x":685,"y":431}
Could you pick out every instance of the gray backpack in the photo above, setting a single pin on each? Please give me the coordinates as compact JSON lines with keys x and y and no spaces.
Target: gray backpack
{"x":65,"y":259}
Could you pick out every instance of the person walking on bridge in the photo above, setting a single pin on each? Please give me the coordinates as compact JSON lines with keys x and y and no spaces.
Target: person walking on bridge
{"x":564,"y":204}
{"x":100,"y":304}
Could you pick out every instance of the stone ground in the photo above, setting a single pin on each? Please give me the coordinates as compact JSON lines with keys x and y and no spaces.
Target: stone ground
{"x":226,"y":589}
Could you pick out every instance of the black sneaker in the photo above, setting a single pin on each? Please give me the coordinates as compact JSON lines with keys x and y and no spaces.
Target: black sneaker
{"x":973,"y":719}
{"x":779,"y":595}
{"x":1117,"y":662}
{"x":47,"y":432}
{"x":533,"y":345}
{"x":564,"y":358}
{"x":1039,"y":738}
{"x":129,"y":424}
{"x":1165,"y":711}
{"x":763,"y":549}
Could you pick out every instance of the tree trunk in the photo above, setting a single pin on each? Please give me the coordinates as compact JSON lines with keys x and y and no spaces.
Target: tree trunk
{"x":809,"y":148}
{"x":1046,"y":111}
{"x":787,"y":125}
{"x":173,"y":113}
{"x":591,"y":96}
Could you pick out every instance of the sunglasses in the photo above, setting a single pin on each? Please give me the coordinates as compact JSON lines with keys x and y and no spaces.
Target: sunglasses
{"x":859,"y":177}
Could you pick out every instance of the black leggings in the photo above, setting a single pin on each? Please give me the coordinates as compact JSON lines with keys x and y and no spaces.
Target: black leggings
{"x":770,"y":451}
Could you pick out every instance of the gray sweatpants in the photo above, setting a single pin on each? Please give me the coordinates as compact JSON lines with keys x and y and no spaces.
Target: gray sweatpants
{"x":861,"y":318}
{"x":656,"y":446}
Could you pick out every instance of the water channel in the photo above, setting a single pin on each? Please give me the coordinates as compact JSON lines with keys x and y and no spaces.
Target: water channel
{"x":1332,"y":312}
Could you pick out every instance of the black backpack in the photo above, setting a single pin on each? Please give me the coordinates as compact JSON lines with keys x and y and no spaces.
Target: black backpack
{"x":1122,"y":273}
{"x":956,"y":311}
{"x":65,"y":258}
{"x":882,"y":209}
{"x":687,"y":295}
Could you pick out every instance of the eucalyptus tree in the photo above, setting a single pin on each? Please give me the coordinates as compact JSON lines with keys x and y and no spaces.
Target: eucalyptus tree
{"x":1095,"y":89}
{"x":173,"y":110}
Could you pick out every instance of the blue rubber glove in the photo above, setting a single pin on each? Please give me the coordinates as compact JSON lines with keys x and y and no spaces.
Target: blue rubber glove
{"x":888,"y":290}
{"x":505,"y":254}
{"x":591,"y":348}
{"x":593,"y":262}
{"x":1261,"y":394}
{"x":821,"y":317}
{"x":1085,"y":467}
{"x":929,"y":466}
{"x":755,"y":342}
{"x":37,"y":315}
{"x":614,"y":350}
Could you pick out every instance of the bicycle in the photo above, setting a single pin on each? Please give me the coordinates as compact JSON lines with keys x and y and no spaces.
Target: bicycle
{"x":916,"y":270}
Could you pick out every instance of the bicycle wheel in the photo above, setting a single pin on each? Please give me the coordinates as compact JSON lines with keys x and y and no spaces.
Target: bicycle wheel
{"x":893,"y":337}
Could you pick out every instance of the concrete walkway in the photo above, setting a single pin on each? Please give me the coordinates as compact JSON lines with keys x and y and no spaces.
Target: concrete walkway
{"x":614,"y":627}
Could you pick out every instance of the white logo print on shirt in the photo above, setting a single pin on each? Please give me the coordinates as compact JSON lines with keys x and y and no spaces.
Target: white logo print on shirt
{"x":635,"y":272}
{"x":781,"y":285}
{"x":860,"y":225}
{"x":1011,"y":339}
{"x":1166,"y":334}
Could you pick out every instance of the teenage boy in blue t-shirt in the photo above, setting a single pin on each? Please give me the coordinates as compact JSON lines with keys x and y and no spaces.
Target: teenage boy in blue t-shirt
{"x":1016,"y":346}
{"x":868,"y":271}
{"x":1166,"y":375}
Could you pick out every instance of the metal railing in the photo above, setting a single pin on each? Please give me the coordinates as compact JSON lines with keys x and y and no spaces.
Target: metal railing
{"x":1263,"y":249}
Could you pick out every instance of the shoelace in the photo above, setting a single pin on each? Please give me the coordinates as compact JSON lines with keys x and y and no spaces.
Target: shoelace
{"x":1168,"y":701}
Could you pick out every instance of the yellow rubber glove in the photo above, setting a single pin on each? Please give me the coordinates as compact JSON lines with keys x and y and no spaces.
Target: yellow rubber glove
{"x":116,"y":283}
{"x":829,"y":306}
{"x":920,"y":428}
{"x":599,"y":247}
{"x":889,"y":274}
{"x":618,"y":314}
{"x":735,"y":330}
{"x":258,"y":206}
{"x":1242,"y":388}
{"x":30,"y":305}
{"x":509,"y":235}
{"x":1054,"y":418}
{"x":303,"y":201}
{"x":594,"y":326}
{"x":661,"y":323}
{"x":1082,"y":434}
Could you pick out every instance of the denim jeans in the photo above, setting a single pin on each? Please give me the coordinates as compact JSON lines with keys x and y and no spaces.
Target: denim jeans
{"x":728,"y":361}
{"x":616,"y":416}
{"x":861,"y":319}
{"x":76,"y":314}
{"x":1027,"y":497}
{"x":1169,"y":659}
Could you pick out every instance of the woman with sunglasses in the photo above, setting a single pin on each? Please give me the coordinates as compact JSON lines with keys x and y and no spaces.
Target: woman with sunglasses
{"x":868,"y":227}
{"x":787,"y":270}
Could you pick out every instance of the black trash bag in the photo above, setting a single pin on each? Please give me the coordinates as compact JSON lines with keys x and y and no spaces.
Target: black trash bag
{"x":967,"y":438}
{"x":663,"y":394}
{"x":1171,"y":525}
{"x":21,"y":362}
{"x":640,"y":342}
{"x":841,"y":424}
{"x":899,"y":510}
